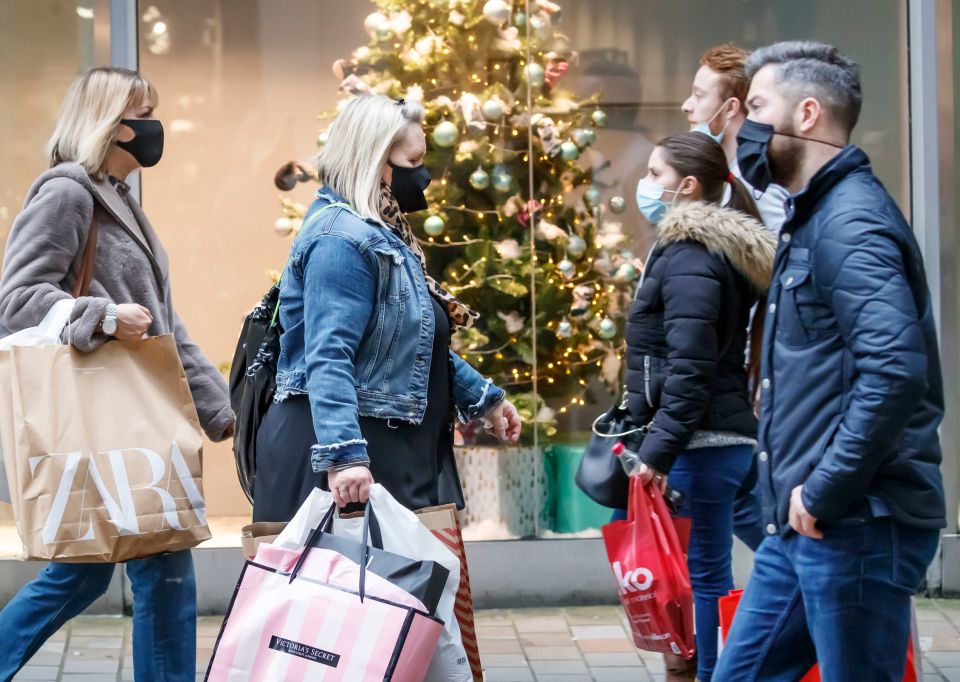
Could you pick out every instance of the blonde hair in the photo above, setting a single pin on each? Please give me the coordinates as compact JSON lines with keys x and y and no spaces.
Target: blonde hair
{"x":359,"y":143}
{"x":91,"y":112}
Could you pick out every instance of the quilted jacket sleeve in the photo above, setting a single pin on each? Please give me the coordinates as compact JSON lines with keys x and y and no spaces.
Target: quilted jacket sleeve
{"x":858,"y":267}
{"x":692,"y":291}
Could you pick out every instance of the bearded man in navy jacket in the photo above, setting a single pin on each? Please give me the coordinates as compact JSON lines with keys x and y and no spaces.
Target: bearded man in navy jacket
{"x":851,"y":392}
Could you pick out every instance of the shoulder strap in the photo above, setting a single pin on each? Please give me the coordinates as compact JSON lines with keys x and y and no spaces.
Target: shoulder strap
{"x":88,"y":264}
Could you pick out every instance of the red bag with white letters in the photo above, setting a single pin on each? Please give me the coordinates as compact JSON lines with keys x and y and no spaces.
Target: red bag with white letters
{"x":650,"y":568}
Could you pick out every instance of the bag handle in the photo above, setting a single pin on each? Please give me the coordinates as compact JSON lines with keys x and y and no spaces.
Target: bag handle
{"x":325,"y":526}
{"x":313,"y":219}
{"x":608,"y":416}
{"x":88,"y":263}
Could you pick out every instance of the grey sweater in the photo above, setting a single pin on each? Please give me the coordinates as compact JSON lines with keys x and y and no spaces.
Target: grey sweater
{"x":43,"y":257}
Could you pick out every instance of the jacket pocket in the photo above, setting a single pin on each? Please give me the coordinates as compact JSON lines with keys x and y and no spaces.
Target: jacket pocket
{"x":800,"y":315}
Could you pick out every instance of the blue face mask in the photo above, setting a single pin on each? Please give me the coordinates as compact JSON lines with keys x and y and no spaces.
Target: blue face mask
{"x":650,"y":200}
{"x":705,"y":126}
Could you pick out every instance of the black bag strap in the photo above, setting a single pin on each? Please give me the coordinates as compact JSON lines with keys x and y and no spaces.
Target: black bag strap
{"x":370,"y":528}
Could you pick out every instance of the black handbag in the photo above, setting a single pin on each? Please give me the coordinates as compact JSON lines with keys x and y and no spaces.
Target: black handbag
{"x":600,"y":474}
{"x":253,"y":383}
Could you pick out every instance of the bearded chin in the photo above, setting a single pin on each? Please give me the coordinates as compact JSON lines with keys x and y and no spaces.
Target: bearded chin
{"x":786,"y":160}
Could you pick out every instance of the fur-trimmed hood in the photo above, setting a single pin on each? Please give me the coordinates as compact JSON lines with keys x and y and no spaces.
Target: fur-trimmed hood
{"x":747,"y":244}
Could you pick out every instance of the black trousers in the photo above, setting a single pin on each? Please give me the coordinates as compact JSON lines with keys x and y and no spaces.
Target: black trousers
{"x":414,"y":463}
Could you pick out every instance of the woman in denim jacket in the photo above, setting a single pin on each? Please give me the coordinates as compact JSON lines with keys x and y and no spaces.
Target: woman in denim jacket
{"x":366,"y":383}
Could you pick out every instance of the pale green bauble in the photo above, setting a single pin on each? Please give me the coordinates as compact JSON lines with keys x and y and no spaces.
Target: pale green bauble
{"x":479,"y":179}
{"x":626,"y":273}
{"x":576,"y":246}
{"x":502,"y":181}
{"x":608,"y":328}
{"x":492,"y":109}
{"x":434,"y":226}
{"x":569,"y":151}
{"x":445,"y":134}
{"x":618,"y":204}
{"x":564,"y":329}
{"x":567,"y":268}
{"x":584,"y":137}
{"x":599,"y":118}
{"x":496,"y":11}
{"x":593,"y":195}
{"x":535,"y":74}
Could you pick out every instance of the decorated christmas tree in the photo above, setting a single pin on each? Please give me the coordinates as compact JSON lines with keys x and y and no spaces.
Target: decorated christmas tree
{"x":515,"y":228}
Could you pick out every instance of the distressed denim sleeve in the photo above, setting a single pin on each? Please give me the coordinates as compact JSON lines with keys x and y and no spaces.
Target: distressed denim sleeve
{"x":473,"y":394}
{"x":339,"y":286}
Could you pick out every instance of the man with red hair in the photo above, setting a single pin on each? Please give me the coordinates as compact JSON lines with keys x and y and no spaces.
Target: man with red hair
{"x":717,"y":107}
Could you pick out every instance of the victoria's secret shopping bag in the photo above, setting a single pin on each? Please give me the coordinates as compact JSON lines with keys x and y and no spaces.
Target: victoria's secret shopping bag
{"x":102,"y":451}
{"x":312,"y":612}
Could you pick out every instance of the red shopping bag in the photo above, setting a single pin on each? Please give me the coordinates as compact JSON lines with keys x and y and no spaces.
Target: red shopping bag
{"x":728,"y":607}
{"x":649,"y":566}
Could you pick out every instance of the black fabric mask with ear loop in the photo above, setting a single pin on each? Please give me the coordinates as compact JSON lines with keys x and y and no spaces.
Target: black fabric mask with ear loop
{"x":753,"y":143}
{"x":408,"y":185}
{"x":753,"y":152}
{"x":147,"y":143}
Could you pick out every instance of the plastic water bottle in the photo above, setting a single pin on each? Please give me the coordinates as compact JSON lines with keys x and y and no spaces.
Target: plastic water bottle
{"x":630,"y":461}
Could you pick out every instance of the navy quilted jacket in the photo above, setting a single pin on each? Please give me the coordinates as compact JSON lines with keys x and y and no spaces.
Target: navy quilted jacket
{"x":851,"y":389}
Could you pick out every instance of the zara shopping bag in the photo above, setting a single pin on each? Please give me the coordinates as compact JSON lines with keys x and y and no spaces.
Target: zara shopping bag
{"x":102,"y":450}
{"x":650,"y":568}
{"x":402,"y":533}
{"x":312,"y":613}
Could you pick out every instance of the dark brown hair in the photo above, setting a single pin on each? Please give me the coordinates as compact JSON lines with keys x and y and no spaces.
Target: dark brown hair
{"x":699,"y":155}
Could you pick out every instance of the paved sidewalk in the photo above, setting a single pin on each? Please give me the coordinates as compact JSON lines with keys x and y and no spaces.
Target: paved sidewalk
{"x":588,"y":643}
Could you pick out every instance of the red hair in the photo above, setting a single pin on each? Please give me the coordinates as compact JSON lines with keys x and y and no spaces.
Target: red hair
{"x":729,"y":61}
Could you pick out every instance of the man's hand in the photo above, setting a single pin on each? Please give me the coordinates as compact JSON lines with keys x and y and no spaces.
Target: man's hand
{"x":800,"y":519}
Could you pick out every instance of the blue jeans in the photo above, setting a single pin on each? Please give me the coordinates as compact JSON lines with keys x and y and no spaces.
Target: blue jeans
{"x":164,"y":614}
{"x":842,"y":602}
{"x":709,"y":479}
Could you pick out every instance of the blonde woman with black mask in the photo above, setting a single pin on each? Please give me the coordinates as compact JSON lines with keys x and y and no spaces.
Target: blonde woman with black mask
{"x":106,"y":131}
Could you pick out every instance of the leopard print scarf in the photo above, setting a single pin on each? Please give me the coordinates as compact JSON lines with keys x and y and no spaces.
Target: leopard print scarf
{"x":461,"y":317}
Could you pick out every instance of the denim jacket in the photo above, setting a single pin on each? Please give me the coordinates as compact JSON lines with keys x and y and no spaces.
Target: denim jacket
{"x":358,"y":330}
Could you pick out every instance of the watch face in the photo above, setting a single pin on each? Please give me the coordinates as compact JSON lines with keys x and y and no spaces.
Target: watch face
{"x":110,"y":326}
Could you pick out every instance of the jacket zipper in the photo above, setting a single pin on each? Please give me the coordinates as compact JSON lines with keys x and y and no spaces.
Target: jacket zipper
{"x":646,"y":379}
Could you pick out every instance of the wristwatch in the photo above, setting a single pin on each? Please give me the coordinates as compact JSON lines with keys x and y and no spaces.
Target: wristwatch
{"x":109,"y":324}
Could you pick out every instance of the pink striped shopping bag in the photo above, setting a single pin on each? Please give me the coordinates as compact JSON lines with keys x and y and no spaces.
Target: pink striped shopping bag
{"x":315,"y":615}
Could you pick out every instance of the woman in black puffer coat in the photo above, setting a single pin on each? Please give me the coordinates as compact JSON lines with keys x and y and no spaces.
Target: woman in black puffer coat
{"x":686,"y":344}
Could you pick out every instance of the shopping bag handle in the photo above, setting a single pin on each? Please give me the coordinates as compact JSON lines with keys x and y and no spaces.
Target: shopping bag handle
{"x":325,"y":526}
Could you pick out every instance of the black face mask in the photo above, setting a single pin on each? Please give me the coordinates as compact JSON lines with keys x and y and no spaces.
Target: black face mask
{"x":753,"y":145}
{"x":753,"y":152}
{"x":408,"y":185}
{"x":147,"y":143}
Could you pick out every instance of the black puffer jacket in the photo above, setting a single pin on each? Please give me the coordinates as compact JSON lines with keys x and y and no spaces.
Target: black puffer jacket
{"x":687,"y":328}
